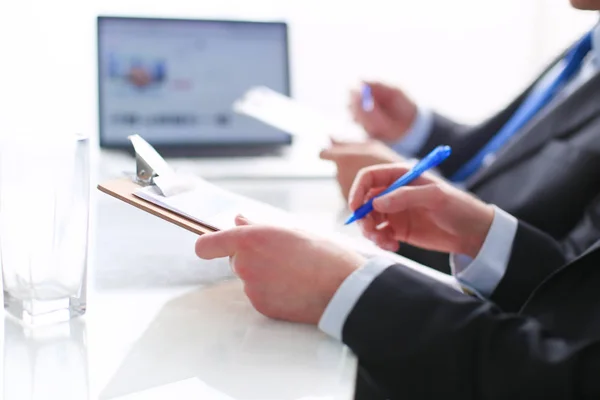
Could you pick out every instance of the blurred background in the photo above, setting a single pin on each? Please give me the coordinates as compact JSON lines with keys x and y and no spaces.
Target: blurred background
{"x":465,"y":58}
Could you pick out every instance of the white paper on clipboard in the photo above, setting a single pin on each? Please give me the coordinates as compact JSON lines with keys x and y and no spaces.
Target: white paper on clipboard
{"x":211,"y":205}
{"x":291,"y":116}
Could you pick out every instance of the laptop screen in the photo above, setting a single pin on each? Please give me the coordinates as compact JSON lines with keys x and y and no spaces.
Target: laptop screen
{"x":174,"y":81}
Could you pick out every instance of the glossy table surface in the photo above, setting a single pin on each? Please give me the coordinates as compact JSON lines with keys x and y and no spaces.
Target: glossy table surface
{"x":161,"y":323}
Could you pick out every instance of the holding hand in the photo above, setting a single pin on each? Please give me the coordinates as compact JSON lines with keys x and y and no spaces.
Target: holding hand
{"x":392,"y":115}
{"x":287,"y":274}
{"x":350,"y":158}
{"x":430,"y":213}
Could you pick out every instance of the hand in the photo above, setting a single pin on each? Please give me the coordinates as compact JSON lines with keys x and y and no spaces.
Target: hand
{"x":392,"y":116}
{"x":350,"y":158}
{"x":287,"y":274}
{"x":430,"y":213}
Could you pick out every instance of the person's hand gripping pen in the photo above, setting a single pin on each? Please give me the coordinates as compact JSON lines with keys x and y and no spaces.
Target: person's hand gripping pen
{"x":385,"y":112}
{"x":432,"y":160}
{"x":367,"y":101}
{"x":427,"y":212}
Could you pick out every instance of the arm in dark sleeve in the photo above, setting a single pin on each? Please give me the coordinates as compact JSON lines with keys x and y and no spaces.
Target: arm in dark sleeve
{"x":417,"y":338}
{"x":535,"y":255}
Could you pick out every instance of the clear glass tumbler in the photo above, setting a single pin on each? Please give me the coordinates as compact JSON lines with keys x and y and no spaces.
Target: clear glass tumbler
{"x":44,"y":224}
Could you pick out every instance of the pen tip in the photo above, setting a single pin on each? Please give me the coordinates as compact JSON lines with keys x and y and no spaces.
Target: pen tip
{"x":350,"y":220}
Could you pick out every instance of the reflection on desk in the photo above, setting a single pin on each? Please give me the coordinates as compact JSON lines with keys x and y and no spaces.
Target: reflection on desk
{"x":48,"y":362}
{"x":172,"y":317}
{"x":215,"y":335}
{"x":157,"y":315}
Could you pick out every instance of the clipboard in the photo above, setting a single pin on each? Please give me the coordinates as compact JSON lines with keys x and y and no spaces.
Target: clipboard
{"x":148,"y":166}
{"x":152,"y":170}
{"x":123,"y":189}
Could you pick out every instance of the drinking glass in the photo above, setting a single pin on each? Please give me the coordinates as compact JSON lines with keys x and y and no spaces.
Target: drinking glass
{"x":44,"y":223}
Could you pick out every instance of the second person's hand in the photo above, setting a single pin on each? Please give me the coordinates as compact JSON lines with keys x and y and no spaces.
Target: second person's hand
{"x":429,"y":213}
{"x":349,"y":158}
{"x":392,"y":115}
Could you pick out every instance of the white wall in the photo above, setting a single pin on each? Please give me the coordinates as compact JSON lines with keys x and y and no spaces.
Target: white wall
{"x":463,"y":57}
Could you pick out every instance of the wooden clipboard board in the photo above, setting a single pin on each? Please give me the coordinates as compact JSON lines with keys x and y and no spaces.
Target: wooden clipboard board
{"x":123,"y":189}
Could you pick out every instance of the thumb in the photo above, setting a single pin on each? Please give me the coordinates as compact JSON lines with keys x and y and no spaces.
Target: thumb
{"x":240,"y":220}
{"x":332,"y":153}
{"x":342,"y":150}
{"x":327,"y":154}
{"x":381,"y":92}
{"x":409,"y":197}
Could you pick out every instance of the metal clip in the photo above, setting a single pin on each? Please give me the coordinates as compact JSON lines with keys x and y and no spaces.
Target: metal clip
{"x":144,"y":174}
{"x":153,"y":170}
{"x":149,"y":164}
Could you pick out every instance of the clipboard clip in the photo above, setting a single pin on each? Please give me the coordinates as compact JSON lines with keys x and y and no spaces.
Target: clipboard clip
{"x":153,"y":170}
{"x":148,"y":163}
{"x":144,"y":174}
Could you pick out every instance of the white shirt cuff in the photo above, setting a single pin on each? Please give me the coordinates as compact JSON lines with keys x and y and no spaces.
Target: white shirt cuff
{"x":484,"y":273}
{"x":345,"y":298}
{"x":416,"y":136}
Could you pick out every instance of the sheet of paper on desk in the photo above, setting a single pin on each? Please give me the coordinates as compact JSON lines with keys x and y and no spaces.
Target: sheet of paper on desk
{"x":289,"y":115}
{"x":211,"y":205}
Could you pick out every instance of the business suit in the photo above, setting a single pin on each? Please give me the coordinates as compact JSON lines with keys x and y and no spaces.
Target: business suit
{"x":546,"y":175}
{"x":416,"y":338}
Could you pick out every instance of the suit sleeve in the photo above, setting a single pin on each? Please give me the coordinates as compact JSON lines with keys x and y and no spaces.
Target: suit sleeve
{"x":416,"y":135}
{"x":535,"y":255}
{"x":417,"y":338}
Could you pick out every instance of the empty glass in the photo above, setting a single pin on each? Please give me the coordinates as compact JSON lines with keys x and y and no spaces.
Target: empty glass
{"x":44,"y":213}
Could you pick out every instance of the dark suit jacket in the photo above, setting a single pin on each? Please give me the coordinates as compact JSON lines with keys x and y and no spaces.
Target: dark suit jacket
{"x":547,"y":176}
{"x":418,"y":339}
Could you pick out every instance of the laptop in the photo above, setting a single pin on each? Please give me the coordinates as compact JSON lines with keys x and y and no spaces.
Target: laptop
{"x":174,"y":81}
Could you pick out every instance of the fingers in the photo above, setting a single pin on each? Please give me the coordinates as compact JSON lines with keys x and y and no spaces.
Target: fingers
{"x":220,"y":244}
{"x":385,"y":240}
{"x":368,"y":119}
{"x":240,"y":220}
{"x":428,"y":196}
{"x":373,"y":177}
{"x":370,"y":222}
{"x":244,"y":237}
{"x":374,"y":192}
{"x":380,"y":233}
{"x":340,"y":150}
{"x":368,"y":226}
{"x":354,"y":106}
{"x":384,"y":97}
{"x":327,"y":154}
{"x":382,"y":93}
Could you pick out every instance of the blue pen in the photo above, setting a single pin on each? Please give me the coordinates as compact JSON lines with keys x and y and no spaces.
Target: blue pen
{"x":368,"y":104}
{"x":432,"y":160}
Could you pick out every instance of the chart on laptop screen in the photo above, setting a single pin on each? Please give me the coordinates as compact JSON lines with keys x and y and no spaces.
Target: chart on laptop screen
{"x":175,"y":81}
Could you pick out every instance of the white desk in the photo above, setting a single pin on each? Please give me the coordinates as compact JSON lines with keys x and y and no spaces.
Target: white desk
{"x":157,"y":315}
